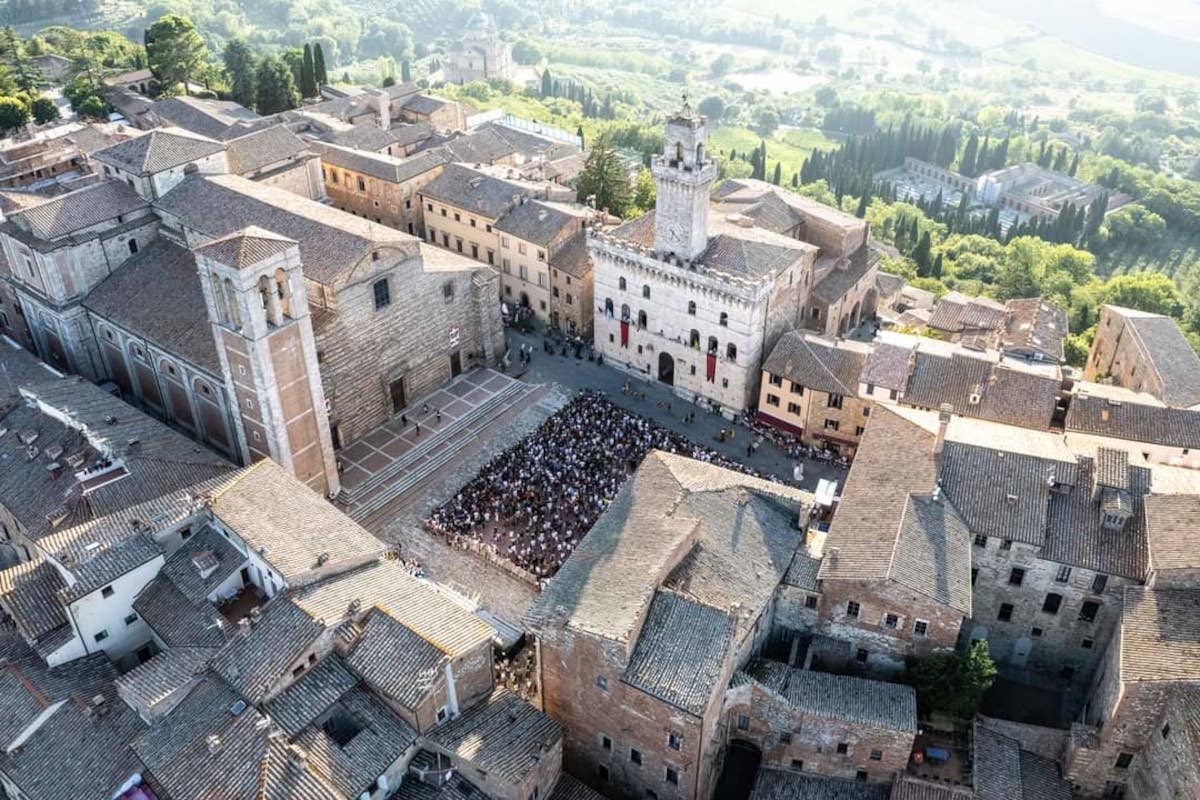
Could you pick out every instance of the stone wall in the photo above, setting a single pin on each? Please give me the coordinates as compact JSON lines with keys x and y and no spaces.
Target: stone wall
{"x":1058,"y":644}
{"x":1168,"y":768}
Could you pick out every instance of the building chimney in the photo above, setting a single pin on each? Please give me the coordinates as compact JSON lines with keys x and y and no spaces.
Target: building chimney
{"x":944,"y":413}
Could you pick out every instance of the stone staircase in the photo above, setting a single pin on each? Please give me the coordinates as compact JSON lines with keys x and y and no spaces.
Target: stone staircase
{"x":434,"y":451}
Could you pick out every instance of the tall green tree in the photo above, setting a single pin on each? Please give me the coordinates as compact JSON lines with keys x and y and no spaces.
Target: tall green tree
{"x":240,"y":66}
{"x":966,"y":164}
{"x":14,"y":114}
{"x":406,"y":70}
{"x":547,"y":84}
{"x":321,"y":74}
{"x":308,"y":76}
{"x":604,"y":181}
{"x":43,"y":110}
{"x":955,"y":683}
{"x":275,"y":90}
{"x":23,"y":70}
{"x":174,"y":50}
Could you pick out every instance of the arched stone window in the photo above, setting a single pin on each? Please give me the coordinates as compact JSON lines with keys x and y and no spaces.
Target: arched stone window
{"x":713,"y":345}
{"x":692,"y":307}
{"x":235,"y":314}
{"x":621,"y":284}
{"x":731,"y":351}
{"x":608,"y":307}
{"x":219,"y":304}
{"x":284,"y":289}
{"x":646,"y":291}
{"x":642,"y":320}
{"x":700,"y":153}
{"x":679,"y":152}
{"x":724,"y":320}
{"x":694,"y":339}
{"x":625,"y":312}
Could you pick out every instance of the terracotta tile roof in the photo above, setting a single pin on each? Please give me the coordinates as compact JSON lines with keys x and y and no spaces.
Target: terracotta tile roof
{"x":308,"y":698}
{"x":352,"y":767}
{"x":77,"y":210}
{"x":477,"y":192}
{"x":301,"y":534}
{"x":177,"y":621}
{"x":331,"y":242}
{"x":261,"y":148}
{"x":385,"y":167}
{"x":889,"y":527}
{"x":171,"y":312}
{"x":1160,"y":634}
{"x":1003,"y":771}
{"x":680,"y":651}
{"x":502,"y":734}
{"x":1170,"y":353}
{"x":540,"y":223}
{"x":744,"y":527}
{"x":158,"y":151}
{"x":414,"y":603}
{"x":213,"y":118}
{"x":780,"y":784}
{"x":909,"y":788}
{"x":248,"y":247}
{"x":1139,"y":422}
{"x":150,"y":687}
{"x":254,"y":660}
{"x":817,"y":363}
{"x":846,"y":698}
{"x":979,"y":387}
{"x":1034,"y":326}
{"x":886,"y":366}
{"x":1173,"y":524}
{"x":395,"y":661}
{"x":30,"y":593}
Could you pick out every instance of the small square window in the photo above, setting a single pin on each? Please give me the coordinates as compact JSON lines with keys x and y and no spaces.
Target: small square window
{"x":980,"y":540}
{"x":810,"y":601}
{"x":1088,"y":611}
{"x":674,"y":741}
{"x":843,"y":748}
{"x":602,"y":682}
{"x":602,"y":773}
{"x":861,"y":776}
{"x":876,"y":755}
{"x":1124,"y":760}
{"x":1006,"y":544}
{"x":861,"y":655}
{"x":635,"y":756}
{"x":1016,"y":577}
{"x":605,"y":742}
{"x":1064,"y":574}
{"x":1006,"y":612}
{"x":785,"y":737}
{"x":890,"y":620}
{"x":1036,"y":633}
{"x":797,"y":763}
{"x":1087,"y":644}
{"x":743,"y":722}
{"x":1052,"y":603}
{"x":101,"y":636}
{"x":130,"y":619}
{"x":852,"y":609}
{"x":1099,"y":583}
{"x":107,"y":591}
{"x":1166,"y":730}
{"x":921,"y":628}
{"x":672,"y":776}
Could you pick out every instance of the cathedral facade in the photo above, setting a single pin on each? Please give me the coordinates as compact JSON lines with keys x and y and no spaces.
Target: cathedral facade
{"x":480,"y":55}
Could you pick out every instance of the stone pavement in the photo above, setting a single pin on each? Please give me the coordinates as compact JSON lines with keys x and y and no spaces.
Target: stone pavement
{"x":662,"y":406}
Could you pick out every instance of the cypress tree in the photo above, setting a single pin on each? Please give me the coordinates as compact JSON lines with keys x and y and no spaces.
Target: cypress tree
{"x":547,"y":84}
{"x":966,"y":164}
{"x":406,"y":70}
{"x":777,"y":178}
{"x":308,"y":80}
{"x":863,"y":202}
{"x":319,"y":65}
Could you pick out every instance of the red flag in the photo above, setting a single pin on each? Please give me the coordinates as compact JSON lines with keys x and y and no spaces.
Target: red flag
{"x":624,"y":333}
{"x":712,"y":367}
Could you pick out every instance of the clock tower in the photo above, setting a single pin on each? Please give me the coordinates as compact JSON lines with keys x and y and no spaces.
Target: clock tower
{"x":684,"y":175}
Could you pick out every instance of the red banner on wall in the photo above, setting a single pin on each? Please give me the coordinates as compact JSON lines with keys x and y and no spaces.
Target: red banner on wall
{"x":624,"y":333}
{"x":712,"y":367}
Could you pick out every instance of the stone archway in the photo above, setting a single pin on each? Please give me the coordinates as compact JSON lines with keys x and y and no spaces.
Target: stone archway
{"x":666,"y":369}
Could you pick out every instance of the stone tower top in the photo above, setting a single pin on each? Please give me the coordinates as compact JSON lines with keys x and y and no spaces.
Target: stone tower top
{"x":684,"y":175}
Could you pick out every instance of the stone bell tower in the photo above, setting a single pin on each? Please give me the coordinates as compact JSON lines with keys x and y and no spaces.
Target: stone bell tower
{"x":254,"y":289}
{"x":684,"y":176}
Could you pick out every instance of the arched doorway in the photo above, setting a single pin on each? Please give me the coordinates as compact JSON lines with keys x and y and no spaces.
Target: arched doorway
{"x":666,"y":369}
{"x":524,"y":300}
{"x":742,"y":760}
{"x":854,"y":320}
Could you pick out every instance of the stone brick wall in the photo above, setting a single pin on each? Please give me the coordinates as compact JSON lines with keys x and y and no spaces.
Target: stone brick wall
{"x":602,"y":726}
{"x":394,"y":204}
{"x":791,"y":739}
{"x":1137,"y":717}
{"x":575,"y":301}
{"x":886,"y":648}
{"x":1057,"y":644}
{"x":1117,"y":353}
{"x":413,"y":338}
{"x":1168,"y":768}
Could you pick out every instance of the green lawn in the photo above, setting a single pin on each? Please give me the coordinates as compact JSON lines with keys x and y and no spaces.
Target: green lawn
{"x":788,"y":146}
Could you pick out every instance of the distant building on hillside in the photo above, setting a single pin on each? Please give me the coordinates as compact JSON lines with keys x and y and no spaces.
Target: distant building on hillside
{"x":480,"y":54}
